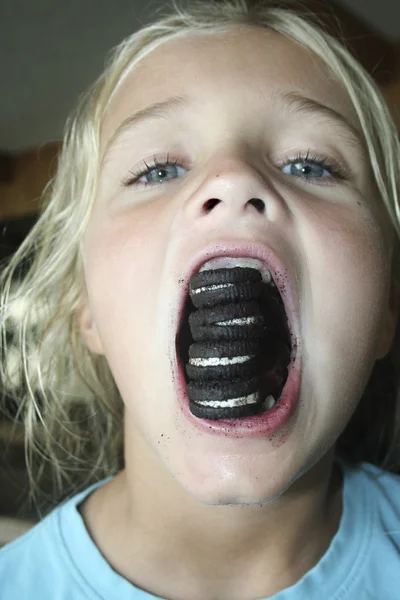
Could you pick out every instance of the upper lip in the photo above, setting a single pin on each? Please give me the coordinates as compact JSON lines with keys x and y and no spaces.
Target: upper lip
{"x":247,"y":249}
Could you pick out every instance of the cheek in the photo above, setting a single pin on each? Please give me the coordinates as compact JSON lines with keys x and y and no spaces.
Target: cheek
{"x":346,"y":295}
{"x":123,"y":263}
{"x":353,"y":273}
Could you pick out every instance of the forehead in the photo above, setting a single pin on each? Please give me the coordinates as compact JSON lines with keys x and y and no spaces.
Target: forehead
{"x":239,"y":64}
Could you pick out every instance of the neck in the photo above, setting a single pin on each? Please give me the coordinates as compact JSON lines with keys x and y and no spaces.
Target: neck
{"x":167,"y":543}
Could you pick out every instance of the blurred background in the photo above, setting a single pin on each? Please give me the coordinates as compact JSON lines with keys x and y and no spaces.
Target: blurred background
{"x":50,"y":51}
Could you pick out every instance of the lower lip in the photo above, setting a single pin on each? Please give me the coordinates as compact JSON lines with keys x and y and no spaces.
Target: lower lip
{"x":262,"y":425}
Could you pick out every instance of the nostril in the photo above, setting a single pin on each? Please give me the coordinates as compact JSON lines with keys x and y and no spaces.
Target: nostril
{"x":258,"y":204}
{"x":210,"y":204}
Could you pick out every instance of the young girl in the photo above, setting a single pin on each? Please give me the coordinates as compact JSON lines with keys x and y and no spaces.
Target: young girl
{"x":213,"y":287}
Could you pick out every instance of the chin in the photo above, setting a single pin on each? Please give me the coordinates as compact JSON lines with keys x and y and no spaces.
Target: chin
{"x":240,"y":485}
{"x":244,"y":493}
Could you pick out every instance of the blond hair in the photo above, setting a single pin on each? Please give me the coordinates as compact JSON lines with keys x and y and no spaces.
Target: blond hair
{"x":66,"y":397}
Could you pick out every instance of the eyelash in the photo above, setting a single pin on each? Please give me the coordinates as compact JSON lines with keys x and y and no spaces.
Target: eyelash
{"x":337,"y":170}
{"x":334,"y":168}
{"x":136,"y":174}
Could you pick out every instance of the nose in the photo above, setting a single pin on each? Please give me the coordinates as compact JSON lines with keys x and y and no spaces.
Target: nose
{"x":236,"y":189}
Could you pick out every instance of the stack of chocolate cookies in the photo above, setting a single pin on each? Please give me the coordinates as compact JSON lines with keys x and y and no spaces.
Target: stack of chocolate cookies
{"x":228,"y":328}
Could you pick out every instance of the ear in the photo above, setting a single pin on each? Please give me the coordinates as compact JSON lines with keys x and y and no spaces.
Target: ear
{"x":88,"y":327}
{"x":390,"y":321}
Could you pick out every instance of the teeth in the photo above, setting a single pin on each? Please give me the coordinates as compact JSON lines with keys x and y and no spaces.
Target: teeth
{"x":229,"y":262}
{"x":269,"y":402}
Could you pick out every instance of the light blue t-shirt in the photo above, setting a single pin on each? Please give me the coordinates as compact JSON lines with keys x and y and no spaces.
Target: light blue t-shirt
{"x":57,"y":559}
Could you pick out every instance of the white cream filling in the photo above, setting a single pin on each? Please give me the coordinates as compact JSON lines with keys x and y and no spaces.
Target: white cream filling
{"x":211,"y":288}
{"x":242,"y":401}
{"x":216,"y":361}
{"x":238,"y":321}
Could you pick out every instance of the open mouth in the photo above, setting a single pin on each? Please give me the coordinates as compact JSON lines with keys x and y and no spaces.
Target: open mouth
{"x":234,"y":342}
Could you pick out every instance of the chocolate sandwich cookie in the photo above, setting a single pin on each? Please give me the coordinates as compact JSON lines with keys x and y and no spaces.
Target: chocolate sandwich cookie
{"x":224,"y":286}
{"x":224,"y":399}
{"x":223,"y":360}
{"x":243,"y":320}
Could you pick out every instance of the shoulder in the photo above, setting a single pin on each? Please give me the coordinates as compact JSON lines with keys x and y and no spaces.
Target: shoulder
{"x":30,"y":566}
{"x":40,"y":561}
{"x":384,"y":487}
{"x":379,"y":492}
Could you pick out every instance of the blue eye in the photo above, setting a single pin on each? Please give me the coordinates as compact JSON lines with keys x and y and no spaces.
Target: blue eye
{"x":155,"y":174}
{"x":161,"y":173}
{"x":307,"y":169}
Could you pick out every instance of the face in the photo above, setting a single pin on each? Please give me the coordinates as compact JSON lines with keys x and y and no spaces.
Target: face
{"x":254,"y":116}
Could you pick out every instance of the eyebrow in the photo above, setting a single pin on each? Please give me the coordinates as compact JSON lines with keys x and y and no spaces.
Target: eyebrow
{"x":299,"y":103}
{"x":292,"y":100}
{"x":158,"y":110}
